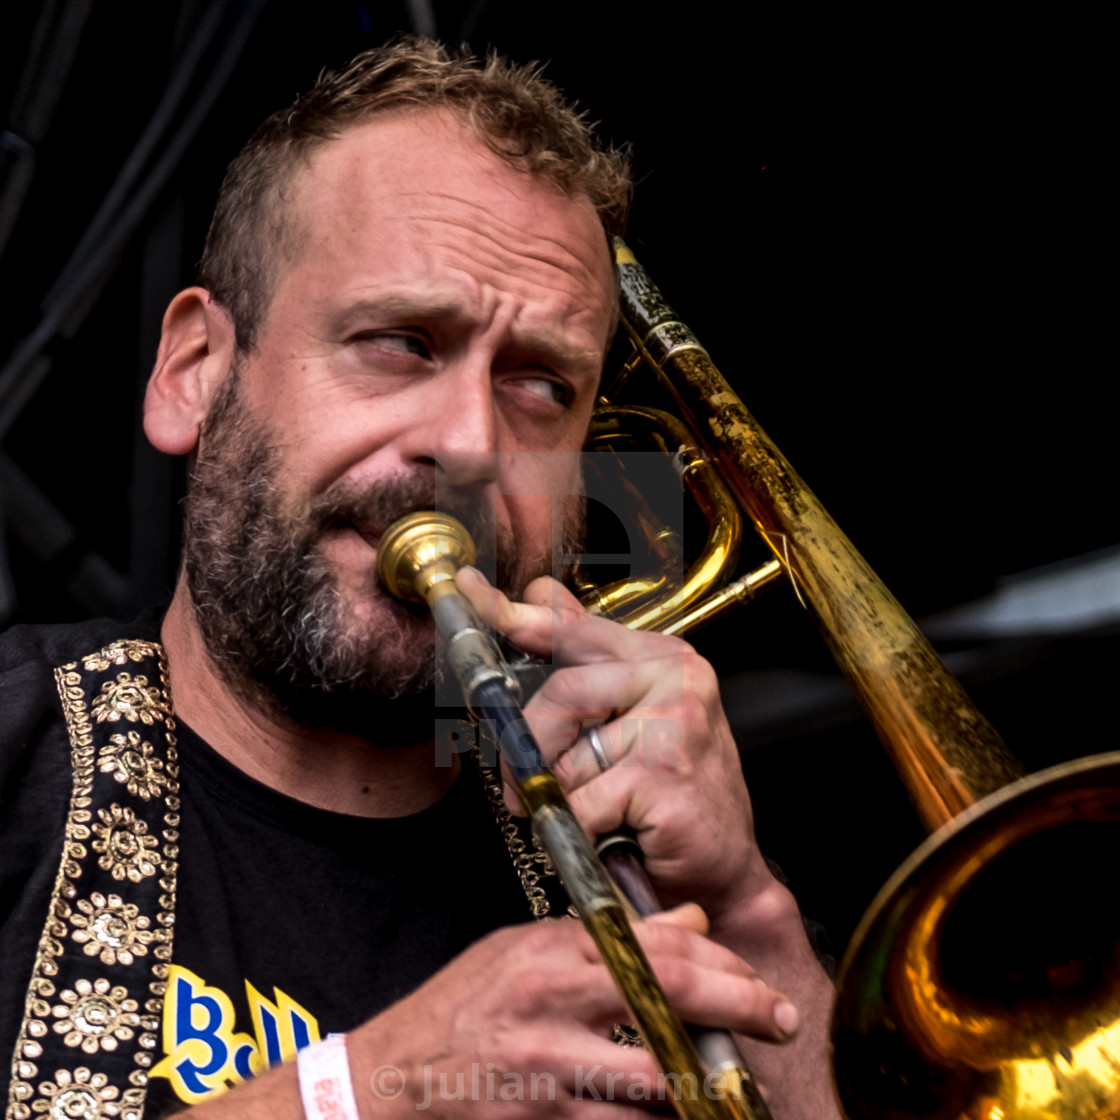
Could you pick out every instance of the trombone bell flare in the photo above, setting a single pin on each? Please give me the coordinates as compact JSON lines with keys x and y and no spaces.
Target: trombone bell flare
{"x":984,"y":980}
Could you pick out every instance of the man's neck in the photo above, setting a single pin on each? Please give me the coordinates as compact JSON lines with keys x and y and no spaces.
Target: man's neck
{"x":328,"y":769}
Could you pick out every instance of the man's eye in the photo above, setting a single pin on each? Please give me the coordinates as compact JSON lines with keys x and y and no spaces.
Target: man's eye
{"x":407,"y":343}
{"x":546,"y":388}
{"x":400,"y":341}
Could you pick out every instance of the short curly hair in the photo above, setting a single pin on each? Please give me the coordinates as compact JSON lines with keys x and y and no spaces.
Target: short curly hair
{"x":517,"y":113}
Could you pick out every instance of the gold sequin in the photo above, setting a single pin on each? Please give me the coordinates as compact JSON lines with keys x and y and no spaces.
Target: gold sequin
{"x":95,"y":1015}
{"x":131,"y":699}
{"x":127,"y":851}
{"x":85,"y":1095}
{"x":132,"y":762}
{"x":111,"y":929}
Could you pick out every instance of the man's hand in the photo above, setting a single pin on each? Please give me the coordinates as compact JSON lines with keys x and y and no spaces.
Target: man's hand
{"x":521,"y":1022}
{"x":539,"y":1001}
{"x":674,"y":774}
{"x":674,"y":778}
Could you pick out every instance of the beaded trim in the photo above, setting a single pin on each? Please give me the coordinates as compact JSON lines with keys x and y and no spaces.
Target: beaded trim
{"x":93,"y":1008}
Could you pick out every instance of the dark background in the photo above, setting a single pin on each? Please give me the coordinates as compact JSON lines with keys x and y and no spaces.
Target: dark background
{"x":889,"y":231}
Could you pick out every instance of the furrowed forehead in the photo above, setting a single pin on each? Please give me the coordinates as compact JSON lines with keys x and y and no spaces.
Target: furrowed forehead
{"x":310,"y":202}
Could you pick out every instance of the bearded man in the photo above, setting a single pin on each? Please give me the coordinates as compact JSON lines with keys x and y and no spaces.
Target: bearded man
{"x":237,"y":832}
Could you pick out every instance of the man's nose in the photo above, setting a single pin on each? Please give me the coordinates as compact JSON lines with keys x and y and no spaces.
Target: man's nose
{"x":463,"y":432}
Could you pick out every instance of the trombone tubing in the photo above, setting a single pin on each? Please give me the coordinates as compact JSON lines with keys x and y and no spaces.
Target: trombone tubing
{"x":947,"y":753}
{"x":417,"y":560}
{"x":722,"y":1094}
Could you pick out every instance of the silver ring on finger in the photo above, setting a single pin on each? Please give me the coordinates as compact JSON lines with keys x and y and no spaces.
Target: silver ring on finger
{"x":596,"y":745}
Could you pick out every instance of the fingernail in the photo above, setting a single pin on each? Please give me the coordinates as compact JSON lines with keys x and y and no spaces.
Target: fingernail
{"x":786,"y":1018}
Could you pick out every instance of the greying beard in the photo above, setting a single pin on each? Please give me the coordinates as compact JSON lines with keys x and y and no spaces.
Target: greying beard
{"x":270,"y":609}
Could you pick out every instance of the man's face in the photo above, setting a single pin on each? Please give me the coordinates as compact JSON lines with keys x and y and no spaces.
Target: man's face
{"x":437,"y":339}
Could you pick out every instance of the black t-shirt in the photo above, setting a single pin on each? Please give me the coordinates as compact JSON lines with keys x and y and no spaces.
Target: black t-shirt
{"x":291,"y":922}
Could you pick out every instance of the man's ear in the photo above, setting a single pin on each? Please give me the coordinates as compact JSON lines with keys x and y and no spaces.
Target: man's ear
{"x":196,"y":352}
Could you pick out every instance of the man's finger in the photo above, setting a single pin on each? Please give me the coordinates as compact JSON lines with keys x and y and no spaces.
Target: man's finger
{"x":552,"y":623}
{"x":688,"y":915}
{"x":707,"y":983}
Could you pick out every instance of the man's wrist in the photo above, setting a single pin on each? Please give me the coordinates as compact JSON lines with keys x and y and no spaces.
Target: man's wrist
{"x":325,"y":1087}
{"x":765,"y":922}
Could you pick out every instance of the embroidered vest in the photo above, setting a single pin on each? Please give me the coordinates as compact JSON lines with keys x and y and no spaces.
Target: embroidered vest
{"x":95,"y":1002}
{"x":96,"y":994}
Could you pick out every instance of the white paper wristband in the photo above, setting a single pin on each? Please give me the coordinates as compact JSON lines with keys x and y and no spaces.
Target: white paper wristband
{"x":324,"y":1081}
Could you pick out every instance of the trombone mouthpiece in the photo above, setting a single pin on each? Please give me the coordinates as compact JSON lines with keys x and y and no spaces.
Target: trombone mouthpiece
{"x":420,"y":552}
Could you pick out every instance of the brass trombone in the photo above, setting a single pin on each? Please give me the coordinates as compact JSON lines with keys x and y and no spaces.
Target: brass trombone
{"x":418,"y":557}
{"x":960,"y":997}
{"x":977,"y":985}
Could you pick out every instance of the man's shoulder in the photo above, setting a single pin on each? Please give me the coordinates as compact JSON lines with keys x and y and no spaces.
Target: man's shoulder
{"x":28,"y":647}
{"x":29,"y":654}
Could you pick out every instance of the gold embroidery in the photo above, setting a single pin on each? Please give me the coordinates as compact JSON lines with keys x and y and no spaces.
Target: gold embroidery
{"x":112,"y":929}
{"x":132,"y":763}
{"x":99,"y":1015}
{"x":102,"y":1015}
{"x":129,"y":698}
{"x":86,"y":1095}
{"x":125,"y":846}
{"x":74,"y":706}
{"x":120,"y":653}
{"x":95,"y":1016}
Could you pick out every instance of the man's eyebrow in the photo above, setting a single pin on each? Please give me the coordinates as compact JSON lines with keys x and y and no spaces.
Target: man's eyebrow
{"x":404,"y":308}
{"x":556,"y":352}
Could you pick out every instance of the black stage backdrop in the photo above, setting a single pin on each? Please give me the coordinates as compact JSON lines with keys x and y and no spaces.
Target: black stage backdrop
{"x":888,"y":230}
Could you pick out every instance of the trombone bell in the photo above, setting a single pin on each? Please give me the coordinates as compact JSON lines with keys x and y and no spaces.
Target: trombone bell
{"x":984,"y":981}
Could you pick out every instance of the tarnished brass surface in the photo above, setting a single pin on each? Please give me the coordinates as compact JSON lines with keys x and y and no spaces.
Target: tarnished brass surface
{"x":983,"y":982}
{"x":947,"y":754}
{"x":696,"y":1097}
